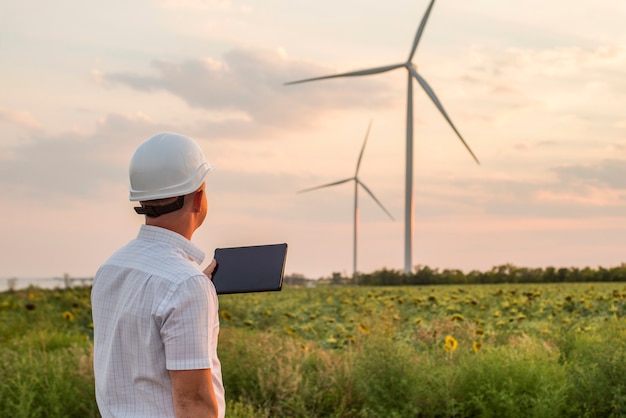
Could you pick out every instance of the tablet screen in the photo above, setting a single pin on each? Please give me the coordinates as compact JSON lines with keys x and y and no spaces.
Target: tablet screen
{"x":258,"y":268}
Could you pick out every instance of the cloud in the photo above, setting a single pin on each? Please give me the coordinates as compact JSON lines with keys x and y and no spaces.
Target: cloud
{"x":505,"y":90}
{"x":74,"y":164}
{"x":575,"y":191}
{"x":535,"y":145}
{"x":609,"y":173}
{"x":545,"y":92}
{"x":538,"y":72}
{"x":251,"y":85}
{"x":204,"y":6}
{"x":19,"y":118}
{"x":555,"y":62}
{"x":586,"y":197}
{"x":244,"y":97}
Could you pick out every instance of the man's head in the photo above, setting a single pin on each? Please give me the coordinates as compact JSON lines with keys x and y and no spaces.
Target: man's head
{"x":166,"y":172}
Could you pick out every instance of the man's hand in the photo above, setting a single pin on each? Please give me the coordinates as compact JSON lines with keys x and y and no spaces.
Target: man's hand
{"x":210,"y":269}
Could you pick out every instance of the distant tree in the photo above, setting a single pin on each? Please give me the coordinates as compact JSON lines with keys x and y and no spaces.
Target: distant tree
{"x":505,"y":273}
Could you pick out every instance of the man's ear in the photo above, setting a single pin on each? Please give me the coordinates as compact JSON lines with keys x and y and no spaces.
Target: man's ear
{"x":197,"y":200}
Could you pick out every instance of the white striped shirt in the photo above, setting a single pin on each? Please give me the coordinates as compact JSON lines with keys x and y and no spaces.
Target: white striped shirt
{"x":153,"y":311}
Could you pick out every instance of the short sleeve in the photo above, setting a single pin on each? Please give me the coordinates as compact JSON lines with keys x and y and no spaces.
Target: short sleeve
{"x":188,"y":325}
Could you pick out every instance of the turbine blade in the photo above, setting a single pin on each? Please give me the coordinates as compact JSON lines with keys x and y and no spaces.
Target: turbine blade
{"x":418,"y":35}
{"x":374,"y":197}
{"x":358,"y":164}
{"x":326,"y":185}
{"x":437,"y":103}
{"x":369,"y":71}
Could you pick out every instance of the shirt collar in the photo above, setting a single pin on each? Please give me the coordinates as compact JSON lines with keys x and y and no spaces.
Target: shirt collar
{"x":155,"y":233}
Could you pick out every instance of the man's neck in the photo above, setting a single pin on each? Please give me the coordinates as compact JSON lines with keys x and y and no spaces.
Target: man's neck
{"x":184,"y":229}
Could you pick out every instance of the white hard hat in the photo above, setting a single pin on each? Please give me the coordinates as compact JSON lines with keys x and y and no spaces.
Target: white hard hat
{"x":167,"y":165}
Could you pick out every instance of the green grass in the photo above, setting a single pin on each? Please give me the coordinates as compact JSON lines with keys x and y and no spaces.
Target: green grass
{"x":46,"y":381}
{"x":532,"y":351}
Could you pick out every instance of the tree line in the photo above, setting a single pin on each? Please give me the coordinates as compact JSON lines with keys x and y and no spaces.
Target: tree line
{"x":506,"y":273}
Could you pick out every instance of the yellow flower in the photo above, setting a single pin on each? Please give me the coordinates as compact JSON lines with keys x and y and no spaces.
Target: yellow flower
{"x":226,"y":316}
{"x":364,"y":329}
{"x":450,"y":344}
{"x":458,"y":317}
{"x":68,"y":315}
{"x":476,"y":346}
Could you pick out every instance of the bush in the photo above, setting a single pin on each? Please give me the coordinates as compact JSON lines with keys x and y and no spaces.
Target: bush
{"x":386,"y":377}
{"x":47,"y":383}
{"x":596,"y":369}
{"x":523,"y":379}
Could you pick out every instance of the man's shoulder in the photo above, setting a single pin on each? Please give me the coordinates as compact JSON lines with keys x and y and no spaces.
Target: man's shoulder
{"x":153,"y":257}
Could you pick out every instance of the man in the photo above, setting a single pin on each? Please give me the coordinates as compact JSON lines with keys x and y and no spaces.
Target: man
{"x":155,"y":313}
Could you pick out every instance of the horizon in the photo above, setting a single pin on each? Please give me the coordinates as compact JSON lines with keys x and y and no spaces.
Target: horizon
{"x":21,"y":283}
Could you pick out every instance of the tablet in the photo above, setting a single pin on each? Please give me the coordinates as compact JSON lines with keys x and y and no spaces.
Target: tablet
{"x":258,"y":268}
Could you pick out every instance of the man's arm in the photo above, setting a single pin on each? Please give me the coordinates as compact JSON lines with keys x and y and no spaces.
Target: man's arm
{"x":193,"y":393}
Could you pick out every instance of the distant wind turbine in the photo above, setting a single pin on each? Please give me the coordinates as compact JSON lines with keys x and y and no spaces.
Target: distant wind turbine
{"x":357,"y":183}
{"x":409,"y":207}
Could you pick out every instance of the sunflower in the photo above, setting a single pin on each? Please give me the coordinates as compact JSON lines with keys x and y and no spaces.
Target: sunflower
{"x":450,"y":344}
{"x":476,"y":346}
{"x":68,"y":315}
{"x":458,"y":317}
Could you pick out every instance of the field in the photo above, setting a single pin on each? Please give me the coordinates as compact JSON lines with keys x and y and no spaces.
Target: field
{"x":540,"y":350}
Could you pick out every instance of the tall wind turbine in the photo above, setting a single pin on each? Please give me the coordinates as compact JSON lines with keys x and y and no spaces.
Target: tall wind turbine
{"x":357,"y":183}
{"x":409,"y":206}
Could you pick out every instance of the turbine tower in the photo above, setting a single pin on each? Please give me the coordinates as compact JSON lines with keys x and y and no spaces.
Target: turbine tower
{"x":357,"y":183}
{"x":409,"y":207}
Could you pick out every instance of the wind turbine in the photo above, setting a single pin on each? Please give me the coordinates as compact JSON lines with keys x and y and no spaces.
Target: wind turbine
{"x":357,"y":183}
{"x":409,"y":207}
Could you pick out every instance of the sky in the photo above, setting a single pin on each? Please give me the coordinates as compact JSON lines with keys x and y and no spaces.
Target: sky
{"x":537,"y":89}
